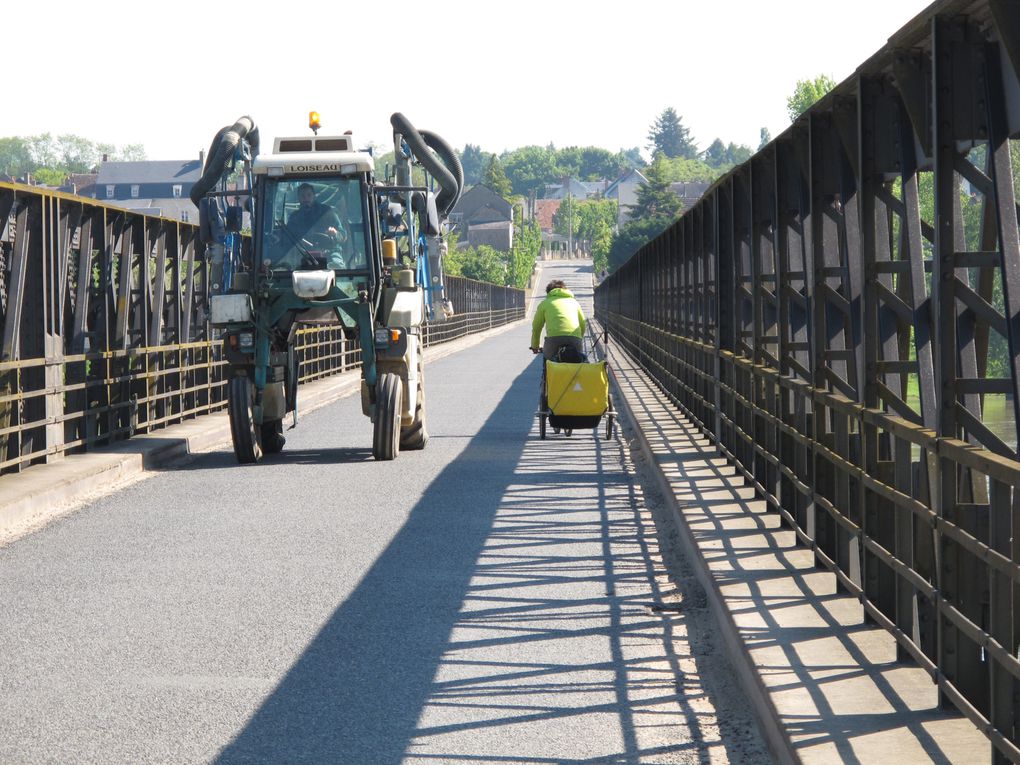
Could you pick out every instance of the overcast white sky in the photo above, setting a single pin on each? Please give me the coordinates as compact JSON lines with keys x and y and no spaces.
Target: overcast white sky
{"x":500,"y":75}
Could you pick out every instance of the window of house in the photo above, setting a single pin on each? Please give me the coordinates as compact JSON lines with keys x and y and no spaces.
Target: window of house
{"x":134,"y":191}
{"x":177,"y":191}
{"x":109,"y":192}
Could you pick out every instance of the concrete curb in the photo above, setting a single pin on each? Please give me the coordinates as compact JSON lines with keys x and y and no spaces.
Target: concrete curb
{"x":41,"y":493}
{"x":769,"y":720}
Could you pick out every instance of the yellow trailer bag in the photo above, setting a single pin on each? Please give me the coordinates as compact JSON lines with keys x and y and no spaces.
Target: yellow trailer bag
{"x":577,"y":389}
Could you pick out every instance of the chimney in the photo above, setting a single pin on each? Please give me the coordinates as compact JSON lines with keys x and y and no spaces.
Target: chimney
{"x":201,"y":158}
{"x":106,"y":157}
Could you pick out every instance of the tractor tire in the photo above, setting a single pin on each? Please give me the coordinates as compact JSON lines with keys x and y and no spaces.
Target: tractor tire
{"x":389,"y":396}
{"x":416,"y":436}
{"x":272,"y":436}
{"x":247,"y":448}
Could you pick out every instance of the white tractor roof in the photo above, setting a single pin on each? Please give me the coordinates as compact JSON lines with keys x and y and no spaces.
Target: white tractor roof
{"x":311,"y":155}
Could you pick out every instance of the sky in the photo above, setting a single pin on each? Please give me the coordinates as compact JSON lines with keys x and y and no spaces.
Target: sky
{"x":500,"y":76}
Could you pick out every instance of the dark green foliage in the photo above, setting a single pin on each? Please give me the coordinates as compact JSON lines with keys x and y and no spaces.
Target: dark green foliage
{"x":655,"y":199}
{"x":668,"y":136}
{"x":590,"y":163}
{"x":530,"y":168}
{"x":632,"y":158}
{"x":484,"y":263}
{"x":495,"y":178}
{"x":527,"y":245}
{"x":720,"y":155}
{"x":635,"y":234}
{"x":487,"y":264}
{"x":473,"y":160}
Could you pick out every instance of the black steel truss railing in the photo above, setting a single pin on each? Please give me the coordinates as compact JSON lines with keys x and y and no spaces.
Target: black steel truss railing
{"x":839,"y":313}
{"x":104,"y":331}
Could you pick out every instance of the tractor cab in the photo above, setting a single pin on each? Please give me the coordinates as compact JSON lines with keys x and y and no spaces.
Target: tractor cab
{"x":316,"y":212}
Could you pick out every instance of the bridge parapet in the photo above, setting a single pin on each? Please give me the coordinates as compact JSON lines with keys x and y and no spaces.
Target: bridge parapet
{"x":840,"y":312}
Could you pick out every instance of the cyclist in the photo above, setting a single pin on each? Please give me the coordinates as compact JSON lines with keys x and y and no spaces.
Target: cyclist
{"x":562,"y":318}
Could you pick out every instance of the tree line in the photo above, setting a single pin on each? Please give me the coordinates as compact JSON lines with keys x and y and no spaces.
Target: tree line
{"x":49,"y":159}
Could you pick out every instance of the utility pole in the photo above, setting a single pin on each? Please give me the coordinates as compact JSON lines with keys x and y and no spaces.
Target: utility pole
{"x":570,"y":223}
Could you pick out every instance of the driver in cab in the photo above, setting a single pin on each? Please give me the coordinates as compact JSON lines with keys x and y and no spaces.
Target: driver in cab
{"x":313,"y":218}
{"x":312,"y":236}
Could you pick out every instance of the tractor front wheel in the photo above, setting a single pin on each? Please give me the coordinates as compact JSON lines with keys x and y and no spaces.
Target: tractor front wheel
{"x":389,"y":400}
{"x":240,"y":395}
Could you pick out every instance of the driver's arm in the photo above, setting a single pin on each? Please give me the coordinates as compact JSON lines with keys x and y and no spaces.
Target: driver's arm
{"x":332,"y":225}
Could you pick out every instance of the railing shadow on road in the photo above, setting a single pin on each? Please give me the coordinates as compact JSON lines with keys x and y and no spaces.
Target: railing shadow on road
{"x":355,"y":694}
{"x":702,"y":478}
{"x":475,"y":567}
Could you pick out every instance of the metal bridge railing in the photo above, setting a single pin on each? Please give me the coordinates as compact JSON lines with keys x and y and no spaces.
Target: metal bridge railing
{"x":841,"y":314}
{"x":104,"y":331}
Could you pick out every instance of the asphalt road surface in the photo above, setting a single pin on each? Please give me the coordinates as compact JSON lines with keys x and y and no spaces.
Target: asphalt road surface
{"x":494,"y":598}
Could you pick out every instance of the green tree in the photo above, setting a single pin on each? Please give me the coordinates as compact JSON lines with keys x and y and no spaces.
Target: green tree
{"x":49,"y":177}
{"x":594,"y":215}
{"x":632,"y":158}
{"x":806,"y":93}
{"x":495,"y":178}
{"x":484,"y":264}
{"x":725,"y":156}
{"x":736,"y":155}
{"x":565,"y":219}
{"x":591,"y":219}
{"x":132,"y":152}
{"x":601,"y":243}
{"x":654,"y":198}
{"x":668,"y":136}
{"x":530,"y":168}
{"x":473,"y":160}
{"x":15,"y":157}
{"x":633,"y":236}
{"x":715,"y":154}
{"x":524,"y":253}
{"x":50,"y":159}
{"x":688,"y":170}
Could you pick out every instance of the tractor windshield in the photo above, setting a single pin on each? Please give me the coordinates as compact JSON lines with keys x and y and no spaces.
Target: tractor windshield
{"x":313,"y":223}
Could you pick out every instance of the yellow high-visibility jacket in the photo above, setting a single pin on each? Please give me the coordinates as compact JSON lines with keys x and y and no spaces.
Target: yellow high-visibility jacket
{"x":561,"y":315}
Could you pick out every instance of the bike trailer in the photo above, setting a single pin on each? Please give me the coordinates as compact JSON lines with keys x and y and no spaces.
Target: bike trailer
{"x":577,"y":394}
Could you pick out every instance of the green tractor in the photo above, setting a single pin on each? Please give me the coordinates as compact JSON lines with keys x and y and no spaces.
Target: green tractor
{"x":329,"y":245}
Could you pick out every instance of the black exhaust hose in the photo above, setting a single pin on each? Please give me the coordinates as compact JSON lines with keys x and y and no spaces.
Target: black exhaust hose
{"x":449,"y":156}
{"x":424,"y":155}
{"x":221,"y":151}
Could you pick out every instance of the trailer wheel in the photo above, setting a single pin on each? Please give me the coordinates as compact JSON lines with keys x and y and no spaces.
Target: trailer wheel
{"x":272,"y":436}
{"x":247,"y":448}
{"x":415,"y":436}
{"x":389,"y":395}
{"x":543,"y":410}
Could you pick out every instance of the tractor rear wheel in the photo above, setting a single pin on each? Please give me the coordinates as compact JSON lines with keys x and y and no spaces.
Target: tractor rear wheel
{"x":272,"y":436}
{"x":415,"y":436}
{"x":389,"y":400}
{"x":247,"y":448}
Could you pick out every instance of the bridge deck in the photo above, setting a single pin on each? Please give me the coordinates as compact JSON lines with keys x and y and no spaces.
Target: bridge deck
{"x":494,"y":598}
